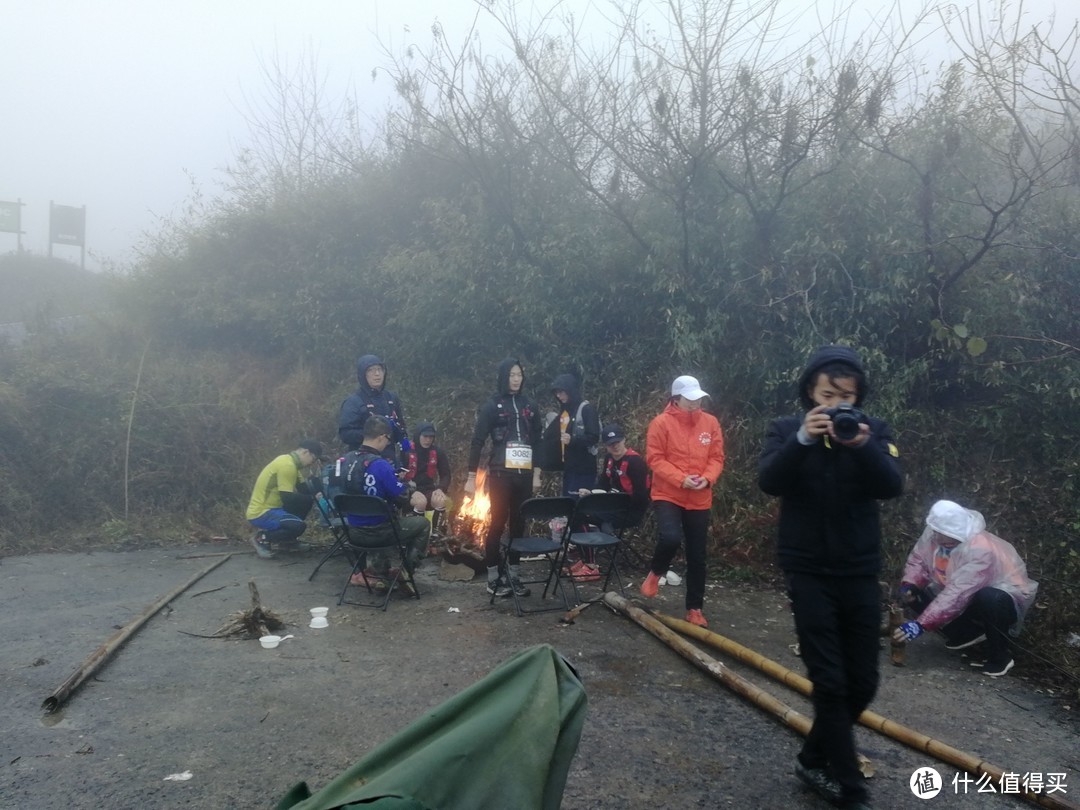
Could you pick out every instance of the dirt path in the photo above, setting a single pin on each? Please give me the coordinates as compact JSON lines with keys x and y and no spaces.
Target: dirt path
{"x":248,"y":723}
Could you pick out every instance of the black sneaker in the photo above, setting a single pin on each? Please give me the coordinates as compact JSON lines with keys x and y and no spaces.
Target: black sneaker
{"x":818,"y":780}
{"x":499,"y":588}
{"x":963,"y":642}
{"x":519,"y":589}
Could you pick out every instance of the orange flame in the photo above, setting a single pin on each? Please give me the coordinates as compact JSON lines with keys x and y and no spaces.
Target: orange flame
{"x":478,"y":508}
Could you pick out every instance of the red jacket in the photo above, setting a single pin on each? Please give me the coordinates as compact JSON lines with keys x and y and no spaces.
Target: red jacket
{"x":681,"y":443}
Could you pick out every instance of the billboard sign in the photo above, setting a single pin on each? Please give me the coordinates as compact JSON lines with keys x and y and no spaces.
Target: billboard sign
{"x":67,"y":225}
{"x":9,"y":217}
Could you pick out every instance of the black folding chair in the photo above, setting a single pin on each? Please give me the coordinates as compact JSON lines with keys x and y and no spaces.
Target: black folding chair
{"x":361,"y":540}
{"x":336,"y":523}
{"x":610,"y":513}
{"x":540,"y":510}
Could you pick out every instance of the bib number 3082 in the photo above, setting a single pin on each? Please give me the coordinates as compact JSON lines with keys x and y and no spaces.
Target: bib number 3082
{"x":518,"y":456}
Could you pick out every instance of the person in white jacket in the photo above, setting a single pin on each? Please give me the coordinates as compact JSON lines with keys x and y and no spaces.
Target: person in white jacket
{"x":968,"y":583}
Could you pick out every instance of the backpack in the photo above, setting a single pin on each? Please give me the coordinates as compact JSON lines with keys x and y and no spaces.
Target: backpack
{"x":579,"y":427}
{"x":348,"y":472}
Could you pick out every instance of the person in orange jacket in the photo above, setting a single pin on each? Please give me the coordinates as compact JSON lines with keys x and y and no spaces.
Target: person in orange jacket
{"x":684,"y":448}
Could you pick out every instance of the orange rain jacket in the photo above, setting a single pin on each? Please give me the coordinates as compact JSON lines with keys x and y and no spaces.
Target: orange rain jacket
{"x":681,"y":443}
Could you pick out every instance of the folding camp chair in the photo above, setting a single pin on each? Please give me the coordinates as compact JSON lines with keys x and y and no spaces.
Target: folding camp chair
{"x":361,"y":540}
{"x":540,"y":510}
{"x":329,"y":518}
{"x":605,"y":510}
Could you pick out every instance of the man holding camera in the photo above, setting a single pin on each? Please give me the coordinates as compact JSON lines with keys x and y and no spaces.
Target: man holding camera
{"x":830,"y":468}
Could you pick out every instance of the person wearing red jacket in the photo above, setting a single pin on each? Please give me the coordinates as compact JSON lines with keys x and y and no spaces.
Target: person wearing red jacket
{"x":684,"y":448}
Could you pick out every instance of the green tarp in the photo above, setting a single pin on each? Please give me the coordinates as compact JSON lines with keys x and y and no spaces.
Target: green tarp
{"x":505,"y":742}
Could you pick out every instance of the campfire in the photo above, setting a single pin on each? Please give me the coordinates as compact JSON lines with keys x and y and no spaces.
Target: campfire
{"x":469,"y":526}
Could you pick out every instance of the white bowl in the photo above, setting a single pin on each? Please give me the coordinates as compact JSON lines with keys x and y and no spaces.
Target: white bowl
{"x":319,"y":622}
{"x":269,"y":642}
{"x":320,"y":612}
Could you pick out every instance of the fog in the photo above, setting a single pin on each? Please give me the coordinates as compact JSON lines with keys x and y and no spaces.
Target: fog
{"x":130,"y":107}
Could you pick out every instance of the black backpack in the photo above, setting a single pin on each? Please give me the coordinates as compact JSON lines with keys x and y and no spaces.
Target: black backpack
{"x":348,"y":472}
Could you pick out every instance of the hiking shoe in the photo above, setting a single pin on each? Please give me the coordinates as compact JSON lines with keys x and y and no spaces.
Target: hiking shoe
{"x":996,"y":670}
{"x":588,"y":573}
{"x":697,"y":618}
{"x":964,"y":642}
{"x":651,"y":586}
{"x":519,"y":588}
{"x":819,"y":781}
{"x":499,"y":588}
{"x":261,"y":546}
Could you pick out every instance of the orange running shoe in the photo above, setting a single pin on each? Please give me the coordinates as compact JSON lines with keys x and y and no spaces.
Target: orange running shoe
{"x":650,"y":586}
{"x":696,"y":617}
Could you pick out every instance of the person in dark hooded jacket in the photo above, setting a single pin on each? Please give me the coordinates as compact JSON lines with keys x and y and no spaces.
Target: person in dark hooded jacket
{"x":573,"y":437}
{"x":511,"y":422}
{"x":829,"y":547}
{"x":371,"y":397}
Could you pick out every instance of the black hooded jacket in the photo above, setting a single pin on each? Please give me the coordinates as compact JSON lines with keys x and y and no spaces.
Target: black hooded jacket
{"x":505,"y":417}
{"x":364,"y":402}
{"x":580,"y":455}
{"x":829,"y":517}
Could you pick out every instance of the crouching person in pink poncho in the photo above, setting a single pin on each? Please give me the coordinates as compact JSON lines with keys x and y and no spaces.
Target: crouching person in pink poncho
{"x":968,"y":583}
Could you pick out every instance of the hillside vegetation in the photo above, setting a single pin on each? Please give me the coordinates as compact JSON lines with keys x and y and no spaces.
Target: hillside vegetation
{"x":684,"y":200}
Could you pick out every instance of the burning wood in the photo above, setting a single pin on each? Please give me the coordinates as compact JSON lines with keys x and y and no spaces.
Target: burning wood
{"x":469,"y":526}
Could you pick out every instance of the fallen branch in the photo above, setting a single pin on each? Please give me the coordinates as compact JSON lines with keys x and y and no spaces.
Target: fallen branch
{"x":97,"y":658}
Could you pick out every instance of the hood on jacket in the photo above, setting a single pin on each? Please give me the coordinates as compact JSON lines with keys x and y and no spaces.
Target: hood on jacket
{"x":568,"y":383}
{"x":502,"y":379}
{"x":362,"y":366}
{"x":421,"y":429}
{"x":953,"y":520}
{"x":824,"y":356}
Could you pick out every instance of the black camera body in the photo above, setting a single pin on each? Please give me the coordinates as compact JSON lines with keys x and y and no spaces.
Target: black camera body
{"x":845,"y":420}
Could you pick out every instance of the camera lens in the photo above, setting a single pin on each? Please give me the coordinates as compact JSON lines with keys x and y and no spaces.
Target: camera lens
{"x":845,"y":426}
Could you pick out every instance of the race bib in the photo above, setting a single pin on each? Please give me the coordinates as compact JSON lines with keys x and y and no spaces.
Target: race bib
{"x":518,"y":456}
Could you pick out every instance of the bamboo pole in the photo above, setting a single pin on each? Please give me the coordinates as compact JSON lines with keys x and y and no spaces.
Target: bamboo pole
{"x":756,"y":695}
{"x":97,"y":658}
{"x":900,"y":733}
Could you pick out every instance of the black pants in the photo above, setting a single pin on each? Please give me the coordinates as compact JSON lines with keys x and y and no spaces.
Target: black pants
{"x":838,"y":620}
{"x":507,"y":492}
{"x":991,"y":611}
{"x":676,"y":526}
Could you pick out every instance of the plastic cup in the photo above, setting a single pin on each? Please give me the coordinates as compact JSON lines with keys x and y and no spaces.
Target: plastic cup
{"x":319,"y":612}
{"x":269,"y":642}
{"x":318,"y":622}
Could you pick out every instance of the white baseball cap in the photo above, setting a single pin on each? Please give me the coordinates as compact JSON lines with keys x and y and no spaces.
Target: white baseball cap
{"x":687,"y":386}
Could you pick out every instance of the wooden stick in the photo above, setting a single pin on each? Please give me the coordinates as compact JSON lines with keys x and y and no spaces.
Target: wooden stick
{"x":872,"y":720}
{"x":97,"y":658}
{"x":717,"y":670}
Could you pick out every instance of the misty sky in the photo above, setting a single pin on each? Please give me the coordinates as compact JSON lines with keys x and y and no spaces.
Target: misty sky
{"x":125,"y":105}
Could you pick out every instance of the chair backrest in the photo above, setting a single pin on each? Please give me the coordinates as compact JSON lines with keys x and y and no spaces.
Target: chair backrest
{"x":603,"y":507}
{"x":366,"y":506}
{"x":547,"y":508}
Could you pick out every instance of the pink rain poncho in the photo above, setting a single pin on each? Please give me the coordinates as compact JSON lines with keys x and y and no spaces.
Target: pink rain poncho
{"x":953,"y":577}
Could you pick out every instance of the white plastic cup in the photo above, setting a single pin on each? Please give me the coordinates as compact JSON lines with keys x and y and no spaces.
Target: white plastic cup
{"x":319,"y":612}
{"x":319,"y":622}
{"x":269,"y":642}
{"x":672,"y":578}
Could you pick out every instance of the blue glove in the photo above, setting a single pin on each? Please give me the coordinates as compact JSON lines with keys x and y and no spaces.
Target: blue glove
{"x":907,"y":593}
{"x":406,"y":445}
{"x":909,"y":631}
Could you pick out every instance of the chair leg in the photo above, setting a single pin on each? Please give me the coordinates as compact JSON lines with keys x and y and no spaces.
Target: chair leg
{"x":337,"y":547}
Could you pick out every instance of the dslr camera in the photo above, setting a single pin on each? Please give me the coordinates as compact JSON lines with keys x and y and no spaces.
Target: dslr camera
{"x":845,"y":420}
